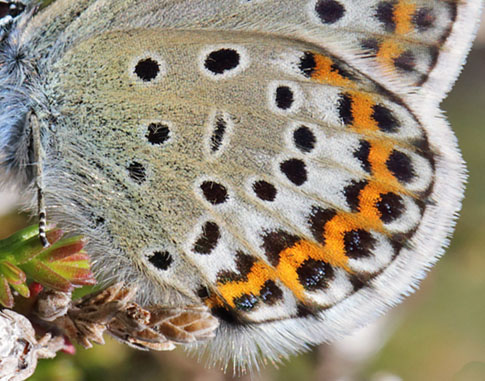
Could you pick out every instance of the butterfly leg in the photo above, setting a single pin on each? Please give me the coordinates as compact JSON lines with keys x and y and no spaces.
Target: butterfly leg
{"x":38,"y":159}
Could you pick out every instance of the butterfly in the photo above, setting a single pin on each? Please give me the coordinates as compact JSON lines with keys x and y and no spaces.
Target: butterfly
{"x":283,"y":164}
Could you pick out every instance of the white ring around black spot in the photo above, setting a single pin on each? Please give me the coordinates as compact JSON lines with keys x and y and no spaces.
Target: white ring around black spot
{"x":147,"y":68}
{"x":223,"y":61}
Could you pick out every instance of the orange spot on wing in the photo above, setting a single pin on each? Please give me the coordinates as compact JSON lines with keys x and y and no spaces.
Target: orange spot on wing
{"x":403,"y":13}
{"x":362,"y":112}
{"x":325,"y":73}
{"x":259,"y":274}
{"x":389,"y":50}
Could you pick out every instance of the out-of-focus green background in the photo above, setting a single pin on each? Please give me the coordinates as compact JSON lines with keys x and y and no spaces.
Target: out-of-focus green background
{"x":436,"y":334}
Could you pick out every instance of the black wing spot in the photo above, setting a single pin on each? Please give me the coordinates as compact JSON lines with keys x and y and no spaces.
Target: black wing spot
{"x":137,"y":172}
{"x":158,"y":133}
{"x":214,"y":193}
{"x":284,"y":97}
{"x":304,"y":139}
{"x":329,"y":11}
{"x":208,"y":239}
{"x":264,"y":190}
{"x":295,"y":171}
{"x":147,"y":69}
{"x":220,"y":61}
{"x":161,"y":260}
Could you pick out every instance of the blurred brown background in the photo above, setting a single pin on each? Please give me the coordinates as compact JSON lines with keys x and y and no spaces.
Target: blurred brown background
{"x":436,"y":334}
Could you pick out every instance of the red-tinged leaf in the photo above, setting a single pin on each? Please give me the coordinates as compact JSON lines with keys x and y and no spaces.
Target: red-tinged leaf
{"x":6,"y":298}
{"x":31,"y":248}
{"x":41,"y":273}
{"x":12,"y":273}
{"x":74,"y":274}
{"x":57,"y":253}
{"x":22,"y":289}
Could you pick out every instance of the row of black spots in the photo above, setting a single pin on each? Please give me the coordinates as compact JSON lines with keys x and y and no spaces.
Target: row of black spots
{"x":295,"y":171}
{"x":264,"y":191}
{"x":157,"y":133}
{"x":269,"y":294}
{"x":362,"y":154}
{"x":304,"y":139}
{"x":11,"y":8}
{"x":358,"y":243}
{"x":218,"y":132}
{"x":275,"y":242}
{"x":214,"y":192}
{"x":222,"y":61}
{"x":352,"y":194}
{"x":315,"y":275}
{"x":161,"y":259}
{"x":208,"y":239}
{"x":386,"y":120}
{"x":423,"y":18}
{"x":329,"y":11}
{"x":405,"y":61}
{"x":147,"y":69}
{"x":401,"y":167}
{"x":318,"y":218}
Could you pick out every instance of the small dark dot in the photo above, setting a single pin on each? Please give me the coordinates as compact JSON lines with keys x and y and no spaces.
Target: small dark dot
{"x":352,"y":194}
{"x":399,"y":164}
{"x":424,"y":19}
{"x":203,"y":292}
{"x":295,"y":171}
{"x":386,"y":121}
{"x":405,"y":61}
{"x":264,"y":190}
{"x":284,"y":97}
{"x":270,"y":293}
{"x":385,"y":14}
{"x":358,"y":243}
{"x":314,"y":275}
{"x":137,"y":172}
{"x":307,"y":64}
{"x":214,"y":193}
{"x":208,"y":239}
{"x":246,"y":302}
{"x":390,"y":206}
{"x":344,"y":107}
{"x":222,"y":60}
{"x":161,"y":260}
{"x":304,"y":139}
{"x":329,"y":11}
{"x":317,"y":220}
{"x":275,"y":242}
{"x":218,"y":133}
{"x":158,"y":133}
{"x":362,"y":154}
{"x":147,"y":69}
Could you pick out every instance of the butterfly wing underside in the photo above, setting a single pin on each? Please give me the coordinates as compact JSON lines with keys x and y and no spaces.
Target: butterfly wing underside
{"x":282,"y":162}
